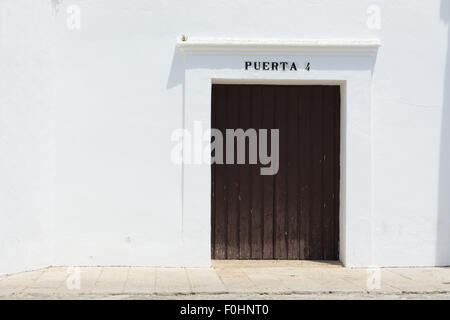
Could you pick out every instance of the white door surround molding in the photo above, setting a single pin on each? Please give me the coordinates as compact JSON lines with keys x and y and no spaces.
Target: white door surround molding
{"x":348,"y":63}
{"x":292,"y":46}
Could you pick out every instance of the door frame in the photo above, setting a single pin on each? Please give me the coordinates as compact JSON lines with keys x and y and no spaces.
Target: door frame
{"x":353,"y":73}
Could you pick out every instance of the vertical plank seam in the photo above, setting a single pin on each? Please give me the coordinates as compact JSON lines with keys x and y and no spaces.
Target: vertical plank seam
{"x":227,"y":92}
{"x":213,"y":175}
{"x":238,"y":168}
{"x":239,"y":125}
{"x":286,"y":185}
{"x":262,"y":181}
{"x":322,"y":168}
{"x":250,"y":186}
{"x":297,"y":206}
{"x":274,"y":211}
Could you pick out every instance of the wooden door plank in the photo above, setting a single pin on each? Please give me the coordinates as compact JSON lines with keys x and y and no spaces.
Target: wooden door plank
{"x":327,"y":176}
{"x":220,"y":213}
{"x":280,"y":191}
{"x":245,"y":178}
{"x":336,"y":167}
{"x":213,"y":178}
{"x":257,"y":191}
{"x":316,"y":244}
{"x":268,"y":181}
{"x":292,"y":143}
{"x":305,"y":170}
{"x":233,"y":178}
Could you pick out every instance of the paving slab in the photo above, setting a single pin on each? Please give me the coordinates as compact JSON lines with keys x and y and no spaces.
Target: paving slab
{"x":51,"y":278}
{"x":172,"y":280}
{"x":88,"y":277}
{"x":16,"y":283}
{"x":414,"y":280}
{"x":205,"y":280}
{"x":111,"y":280}
{"x":235,"y":280}
{"x":295,"y":283}
{"x":141,"y":280}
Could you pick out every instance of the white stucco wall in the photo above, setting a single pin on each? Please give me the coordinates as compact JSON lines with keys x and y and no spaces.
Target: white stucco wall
{"x":86,"y":117}
{"x":27,"y":166}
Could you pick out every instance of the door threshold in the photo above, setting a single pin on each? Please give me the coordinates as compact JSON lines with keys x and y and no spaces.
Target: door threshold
{"x":276,"y":263}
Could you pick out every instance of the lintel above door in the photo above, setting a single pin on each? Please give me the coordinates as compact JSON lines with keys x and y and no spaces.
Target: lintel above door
{"x":210,"y":45}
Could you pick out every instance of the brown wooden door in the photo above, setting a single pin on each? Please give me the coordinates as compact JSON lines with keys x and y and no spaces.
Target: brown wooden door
{"x":295,"y":213}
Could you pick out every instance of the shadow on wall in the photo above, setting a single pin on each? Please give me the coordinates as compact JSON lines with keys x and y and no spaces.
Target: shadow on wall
{"x":443,"y":227}
{"x":176,"y":73}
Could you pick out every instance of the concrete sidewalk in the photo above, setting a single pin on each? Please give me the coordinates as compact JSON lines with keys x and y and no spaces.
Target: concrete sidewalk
{"x":229,"y":280}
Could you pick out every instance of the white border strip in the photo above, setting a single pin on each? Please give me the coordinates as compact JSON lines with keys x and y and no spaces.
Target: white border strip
{"x":292,"y":46}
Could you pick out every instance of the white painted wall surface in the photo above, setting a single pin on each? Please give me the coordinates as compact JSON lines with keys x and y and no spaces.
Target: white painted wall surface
{"x":86,"y":117}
